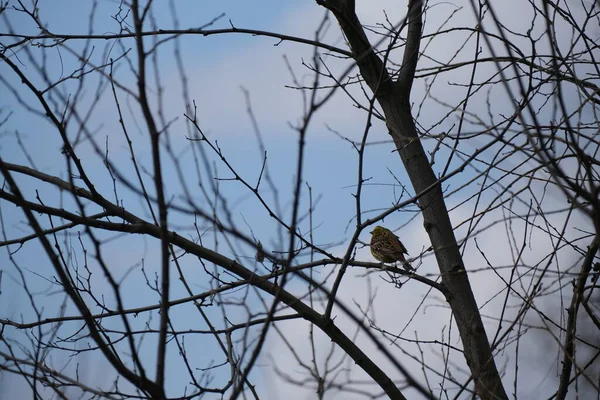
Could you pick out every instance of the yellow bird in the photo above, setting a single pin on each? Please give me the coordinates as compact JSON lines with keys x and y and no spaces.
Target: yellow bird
{"x":387,"y":247}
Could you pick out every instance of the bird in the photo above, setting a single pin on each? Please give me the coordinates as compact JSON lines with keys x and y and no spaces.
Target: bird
{"x":387,"y":247}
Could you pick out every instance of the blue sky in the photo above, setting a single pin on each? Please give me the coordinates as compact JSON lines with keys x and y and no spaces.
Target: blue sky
{"x":224,"y":119}
{"x":218,"y":67}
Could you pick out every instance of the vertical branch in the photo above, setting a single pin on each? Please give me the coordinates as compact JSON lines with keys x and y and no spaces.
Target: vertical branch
{"x":411,"y":49}
{"x":302,"y":131}
{"x":569,"y":347}
{"x":160,"y":197}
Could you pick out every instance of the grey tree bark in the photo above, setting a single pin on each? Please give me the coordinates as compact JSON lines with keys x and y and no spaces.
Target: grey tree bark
{"x":393,"y":96}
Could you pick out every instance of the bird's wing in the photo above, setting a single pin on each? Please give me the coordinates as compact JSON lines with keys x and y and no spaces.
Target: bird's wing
{"x":400,"y":245}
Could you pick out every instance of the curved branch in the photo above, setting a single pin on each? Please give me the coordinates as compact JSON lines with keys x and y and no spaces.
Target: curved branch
{"x":137,"y":225}
{"x":175,"y":33}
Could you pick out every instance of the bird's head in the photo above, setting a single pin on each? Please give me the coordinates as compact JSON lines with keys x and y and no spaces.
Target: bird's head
{"x":377,"y":230}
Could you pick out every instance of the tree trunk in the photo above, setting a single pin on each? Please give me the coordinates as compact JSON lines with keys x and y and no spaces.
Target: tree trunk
{"x":393,"y":97}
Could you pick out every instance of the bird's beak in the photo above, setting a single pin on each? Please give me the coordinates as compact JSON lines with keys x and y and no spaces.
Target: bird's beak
{"x":371,"y":232}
